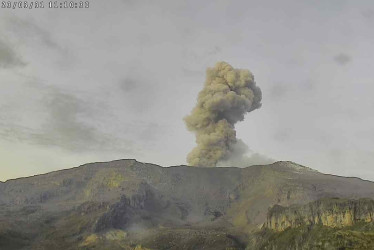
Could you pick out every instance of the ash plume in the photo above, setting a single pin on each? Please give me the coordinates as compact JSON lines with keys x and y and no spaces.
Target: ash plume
{"x":228,"y":94}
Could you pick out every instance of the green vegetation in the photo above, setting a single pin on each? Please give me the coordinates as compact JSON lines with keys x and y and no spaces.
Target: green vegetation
{"x":360,"y":236}
{"x":114,"y":180}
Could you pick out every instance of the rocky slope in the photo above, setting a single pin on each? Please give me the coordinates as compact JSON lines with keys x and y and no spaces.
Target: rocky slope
{"x":327,"y":212}
{"x":127,"y":204}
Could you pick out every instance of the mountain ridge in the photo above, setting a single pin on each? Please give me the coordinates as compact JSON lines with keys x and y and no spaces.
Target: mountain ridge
{"x":76,"y":205}
{"x":124,"y":159}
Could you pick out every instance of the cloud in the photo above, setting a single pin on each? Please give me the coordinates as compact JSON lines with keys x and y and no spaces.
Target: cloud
{"x":242,"y":157}
{"x":278,"y":91}
{"x":128,"y":85}
{"x":129,"y":3}
{"x":368,"y":14}
{"x":214,"y":51}
{"x":138,"y":93}
{"x":282,"y":135}
{"x":150,"y":131}
{"x":191,"y":72}
{"x":30,"y":31}
{"x":228,"y":94}
{"x":8,"y":56}
{"x":32,"y":36}
{"x":65,"y":125}
{"x":342,"y":59}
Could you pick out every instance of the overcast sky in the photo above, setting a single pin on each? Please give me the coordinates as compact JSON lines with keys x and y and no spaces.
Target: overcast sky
{"x":115,"y":81}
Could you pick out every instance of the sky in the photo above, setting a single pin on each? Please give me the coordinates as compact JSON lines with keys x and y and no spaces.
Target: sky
{"x":115,"y":80}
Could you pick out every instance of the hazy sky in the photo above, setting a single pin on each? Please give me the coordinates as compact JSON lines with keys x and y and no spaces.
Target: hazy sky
{"x":115,"y":81}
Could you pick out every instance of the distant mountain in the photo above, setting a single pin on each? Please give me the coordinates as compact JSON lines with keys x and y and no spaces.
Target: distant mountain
{"x":127,"y":204}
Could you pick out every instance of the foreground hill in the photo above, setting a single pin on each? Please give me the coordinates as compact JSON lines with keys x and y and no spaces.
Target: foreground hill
{"x":127,"y":204}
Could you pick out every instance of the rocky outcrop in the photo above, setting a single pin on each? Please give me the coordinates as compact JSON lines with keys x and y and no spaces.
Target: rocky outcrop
{"x":333,"y":212}
{"x":128,"y":210}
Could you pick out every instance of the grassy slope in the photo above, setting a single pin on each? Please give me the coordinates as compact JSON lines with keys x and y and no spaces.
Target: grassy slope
{"x":359,"y":236}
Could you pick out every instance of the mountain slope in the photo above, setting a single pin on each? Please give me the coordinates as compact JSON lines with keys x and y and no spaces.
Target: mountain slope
{"x":137,"y":203}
